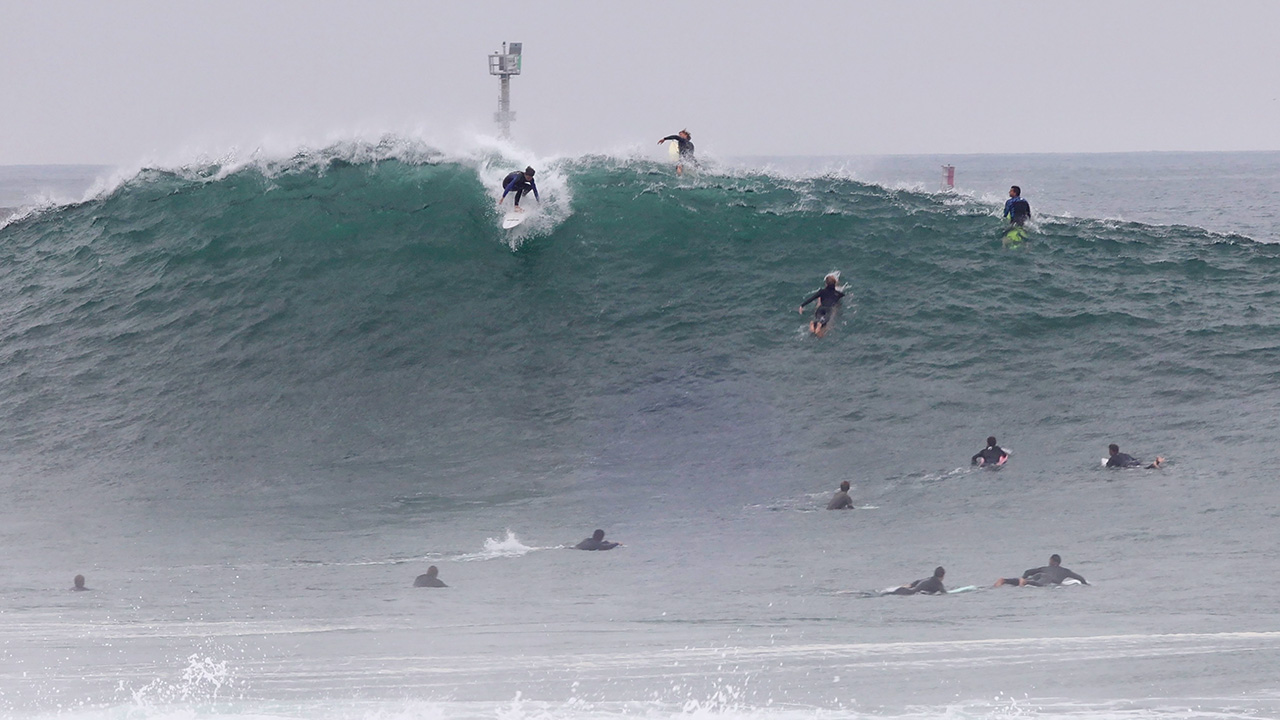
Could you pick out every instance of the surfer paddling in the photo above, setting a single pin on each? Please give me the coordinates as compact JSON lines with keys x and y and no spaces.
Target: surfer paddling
{"x":828,"y":297}
{"x":1051,"y":574}
{"x":520,"y":183}
{"x":430,"y":578}
{"x":1118,"y":459}
{"x":991,"y":456}
{"x":841,"y":500}
{"x":928,"y":586}
{"x":596,"y":542}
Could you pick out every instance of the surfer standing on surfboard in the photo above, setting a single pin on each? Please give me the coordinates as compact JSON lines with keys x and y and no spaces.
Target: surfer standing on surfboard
{"x":828,"y":297}
{"x":519,"y":183}
{"x":685,"y":141}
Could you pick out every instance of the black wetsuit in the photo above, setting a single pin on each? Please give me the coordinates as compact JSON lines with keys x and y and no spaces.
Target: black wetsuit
{"x":427,"y":580}
{"x":1017,"y":210}
{"x":517,"y":183}
{"x":928,"y":586}
{"x":990,"y":456}
{"x":828,"y":297}
{"x":594,"y":544}
{"x":686,"y":148}
{"x":1123,"y":460}
{"x":840,"y":501}
{"x":1047,"y":575}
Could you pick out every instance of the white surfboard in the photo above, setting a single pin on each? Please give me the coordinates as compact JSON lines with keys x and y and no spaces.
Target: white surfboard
{"x":953,"y":591}
{"x":673,"y":149}
{"x":512,"y":219}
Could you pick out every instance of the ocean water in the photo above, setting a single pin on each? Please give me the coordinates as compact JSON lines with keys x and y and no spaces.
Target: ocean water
{"x":250,"y":401}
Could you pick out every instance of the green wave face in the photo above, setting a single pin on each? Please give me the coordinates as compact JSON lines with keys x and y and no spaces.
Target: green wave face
{"x":303,"y":321}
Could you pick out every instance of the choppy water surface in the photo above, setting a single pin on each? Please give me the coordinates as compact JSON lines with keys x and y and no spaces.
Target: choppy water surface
{"x":251,"y":403}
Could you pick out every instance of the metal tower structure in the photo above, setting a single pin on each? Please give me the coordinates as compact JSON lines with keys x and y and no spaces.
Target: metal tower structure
{"x":504,"y":65}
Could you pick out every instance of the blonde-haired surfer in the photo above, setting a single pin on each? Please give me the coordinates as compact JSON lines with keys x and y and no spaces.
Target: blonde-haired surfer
{"x":828,"y":297}
{"x":685,"y":141}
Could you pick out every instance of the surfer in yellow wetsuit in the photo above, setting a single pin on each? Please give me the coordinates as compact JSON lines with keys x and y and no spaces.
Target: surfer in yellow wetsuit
{"x":685,"y":141}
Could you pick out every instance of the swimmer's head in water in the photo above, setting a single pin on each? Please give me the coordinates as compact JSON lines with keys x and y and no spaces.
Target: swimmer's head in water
{"x":939,"y":572}
{"x":79,"y":581}
{"x":1054,"y":559}
{"x":845,"y":486}
{"x":1113,"y":448}
{"x":432,"y":571}
{"x":991,"y":441}
{"x":597,"y":535}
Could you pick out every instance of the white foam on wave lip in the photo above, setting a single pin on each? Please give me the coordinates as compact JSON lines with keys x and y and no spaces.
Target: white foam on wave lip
{"x":493,"y":159}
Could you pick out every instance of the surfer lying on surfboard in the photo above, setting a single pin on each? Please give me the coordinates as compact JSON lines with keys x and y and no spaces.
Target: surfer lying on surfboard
{"x":991,"y":456}
{"x":1051,"y":574}
{"x":828,"y":297}
{"x":928,"y":586}
{"x":519,"y":183}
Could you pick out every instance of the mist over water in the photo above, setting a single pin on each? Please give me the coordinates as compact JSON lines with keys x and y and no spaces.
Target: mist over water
{"x":252,"y":402}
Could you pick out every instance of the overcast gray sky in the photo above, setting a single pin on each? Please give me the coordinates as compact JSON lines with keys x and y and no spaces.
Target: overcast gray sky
{"x":129,"y":81}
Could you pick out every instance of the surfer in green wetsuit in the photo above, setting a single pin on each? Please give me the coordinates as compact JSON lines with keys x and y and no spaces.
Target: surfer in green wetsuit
{"x":685,"y":141}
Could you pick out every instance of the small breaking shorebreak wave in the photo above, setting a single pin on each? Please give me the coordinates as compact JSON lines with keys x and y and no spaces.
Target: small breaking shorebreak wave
{"x":218,"y":683}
